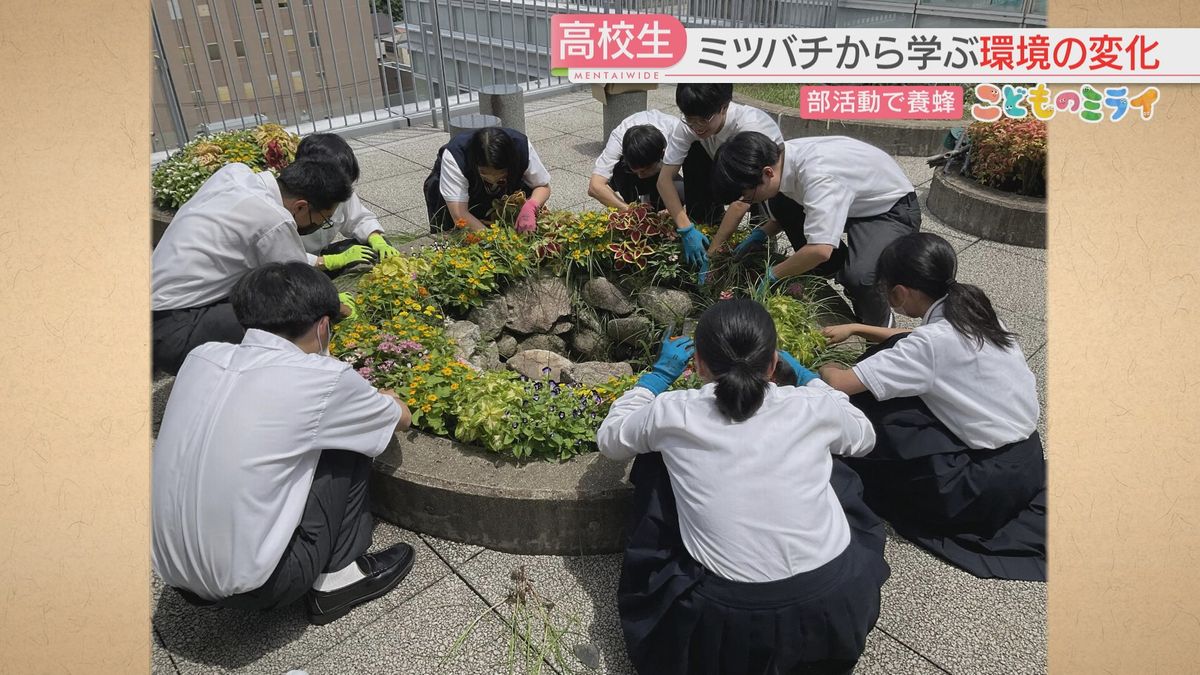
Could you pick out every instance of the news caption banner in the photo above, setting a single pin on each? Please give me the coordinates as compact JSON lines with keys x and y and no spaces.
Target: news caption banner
{"x":1011,"y":68}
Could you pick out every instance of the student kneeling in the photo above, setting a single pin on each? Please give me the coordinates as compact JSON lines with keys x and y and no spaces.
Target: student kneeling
{"x":769,"y":562}
{"x":958,"y":466}
{"x":259,"y":492}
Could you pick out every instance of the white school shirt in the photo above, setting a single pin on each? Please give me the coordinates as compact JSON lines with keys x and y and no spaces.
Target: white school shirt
{"x":455,"y":188}
{"x":606,"y":163}
{"x":835,"y":178}
{"x":350,"y":219}
{"x":738,"y":118}
{"x":234,"y":223}
{"x":233,"y":464}
{"x":754,"y":498}
{"x":986,"y":396}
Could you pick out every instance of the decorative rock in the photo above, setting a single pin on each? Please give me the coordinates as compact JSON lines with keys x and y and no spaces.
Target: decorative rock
{"x":550,"y":343}
{"x":586,"y":317}
{"x":534,"y":307}
{"x":562,"y":327}
{"x":590,"y":343}
{"x":466,"y":335}
{"x":491,"y":318}
{"x":487,"y":358}
{"x":665,"y":304}
{"x":629,"y":329}
{"x":533,"y":362}
{"x":507,"y":346}
{"x":604,"y":294}
{"x":591,"y":373}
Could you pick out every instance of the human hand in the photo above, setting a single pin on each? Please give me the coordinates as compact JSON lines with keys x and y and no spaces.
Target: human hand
{"x":756,"y":240}
{"x":694,"y":244}
{"x":839,"y":333}
{"x":672,"y":360}
{"x":349,"y":311}
{"x":381,"y":247}
{"x":527,"y":218}
{"x":354,"y":255}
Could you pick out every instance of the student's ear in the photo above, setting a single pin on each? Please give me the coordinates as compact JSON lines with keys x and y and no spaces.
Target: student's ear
{"x":774,"y":365}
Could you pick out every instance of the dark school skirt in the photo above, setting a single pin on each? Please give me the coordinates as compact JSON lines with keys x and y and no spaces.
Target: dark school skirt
{"x":981,"y":510}
{"x":678,"y":617}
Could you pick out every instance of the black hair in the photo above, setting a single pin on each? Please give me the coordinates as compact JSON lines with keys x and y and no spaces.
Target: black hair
{"x":926,"y":262}
{"x":784,"y":376}
{"x":319,"y":180}
{"x":491,"y":147}
{"x":736,"y":340}
{"x":284,"y":298}
{"x":702,"y":100}
{"x":643,"y":146}
{"x":739,"y":163}
{"x":314,"y":145}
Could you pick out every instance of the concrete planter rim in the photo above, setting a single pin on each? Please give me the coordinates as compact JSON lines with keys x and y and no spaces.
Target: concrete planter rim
{"x":976,"y":209}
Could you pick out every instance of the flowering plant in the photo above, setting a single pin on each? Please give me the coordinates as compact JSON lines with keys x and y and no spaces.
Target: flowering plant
{"x":267,"y":147}
{"x":1010,"y":154}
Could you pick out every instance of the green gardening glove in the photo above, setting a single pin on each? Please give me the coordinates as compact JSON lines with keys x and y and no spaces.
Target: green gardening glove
{"x":352,"y":256}
{"x":384,"y":249}
{"x":348,"y":301}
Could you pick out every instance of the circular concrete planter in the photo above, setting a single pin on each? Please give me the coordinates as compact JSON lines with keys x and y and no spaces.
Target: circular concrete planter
{"x":912,"y":138}
{"x":160,"y":218}
{"x":454,"y":491}
{"x":984,"y":212}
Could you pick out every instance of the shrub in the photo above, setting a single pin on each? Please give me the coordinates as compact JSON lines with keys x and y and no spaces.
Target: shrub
{"x":267,"y":147}
{"x":1010,"y":155}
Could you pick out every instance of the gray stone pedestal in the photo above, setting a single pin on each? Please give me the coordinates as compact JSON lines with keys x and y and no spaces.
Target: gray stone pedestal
{"x":467,"y":123}
{"x":619,"y":106}
{"x":506,"y":101}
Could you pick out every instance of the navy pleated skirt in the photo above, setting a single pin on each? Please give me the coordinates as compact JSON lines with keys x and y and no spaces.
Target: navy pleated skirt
{"x":981,"y":510}
{"x":678,"y":617}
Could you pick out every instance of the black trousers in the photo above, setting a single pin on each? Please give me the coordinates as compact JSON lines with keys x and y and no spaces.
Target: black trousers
{"x":853,"y":263}
{"x":333,"y":532}
{"x":697,"y":182}
{"x":631,"y":188}
{"x":177,"y":331}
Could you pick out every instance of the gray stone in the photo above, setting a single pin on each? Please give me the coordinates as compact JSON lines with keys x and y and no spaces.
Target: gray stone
{"x":984,"y":212}
{"x":159,"y":393}
{"x":487,"y":358}
{"x":506,"y":101}
{"x":604,"y":294}
{"x":585,"y":316}
{"x":665,"y":305}
{"x":562,"y":327}
{"x":596,"y":372}
{"x":491,"y":318}
{"x":506,"y":345}
{"x":591,"y":344}
{"x":619,"y":106}
{"x":466,"y":336}
{"x":629,"y":329}
{"x":535,"y":306}
{"x":550,"y":343}
{"x":532,"y":363}
{"x":466,"y":123}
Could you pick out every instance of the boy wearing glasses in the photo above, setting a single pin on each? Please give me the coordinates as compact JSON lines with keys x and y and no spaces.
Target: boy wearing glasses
{"x":710,"y":117}
{"x":237,"y":221}
{"x":627,"y":170}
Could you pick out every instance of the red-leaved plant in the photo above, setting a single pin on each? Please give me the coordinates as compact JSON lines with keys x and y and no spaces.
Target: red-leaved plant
{"x":1010,"y":155}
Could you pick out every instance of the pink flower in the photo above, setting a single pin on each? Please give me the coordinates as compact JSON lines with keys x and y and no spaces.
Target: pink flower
{"x":726,"y":295}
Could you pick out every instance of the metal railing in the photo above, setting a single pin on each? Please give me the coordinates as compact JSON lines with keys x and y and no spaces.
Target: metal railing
{"x":318,"y":65}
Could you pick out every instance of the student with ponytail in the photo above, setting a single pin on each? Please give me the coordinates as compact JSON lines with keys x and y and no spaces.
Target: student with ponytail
{"x":958,"y":466}
{"x":769,"y":562}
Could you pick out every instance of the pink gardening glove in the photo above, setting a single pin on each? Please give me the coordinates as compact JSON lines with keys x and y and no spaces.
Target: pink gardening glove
{"x":527,"y":218}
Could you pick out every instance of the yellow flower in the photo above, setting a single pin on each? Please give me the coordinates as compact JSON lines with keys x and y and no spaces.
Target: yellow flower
{"x":431,"y":398}
{"x":447,"y":371}
{"x":454,"y":386}
{"x":426,"y":408}
{"x":411,"y":401}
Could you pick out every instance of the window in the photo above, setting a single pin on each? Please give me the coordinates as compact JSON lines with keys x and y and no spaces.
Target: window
{"x":214,"y":51}
{"x":266,"y":43}
{"x":202,"y":10}
{"x":282,"y":4}
{"x":312,"y":39}
{"x":248,"y":90}
{"x":187,"y":55}
{"x":173,"y":10}
{"x":223,"y":94}
{"x":297,"y":81}
{"x":289,"y":41}
{"x":275,"y":84}
{"x":239,"y":48}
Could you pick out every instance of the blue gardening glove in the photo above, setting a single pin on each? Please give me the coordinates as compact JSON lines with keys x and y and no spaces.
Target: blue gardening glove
{"x":803,"y":375}
{"x":765,"y":287}
{"x":757,"y":239}
{"x":703,"y":275}
{"x":670,"y":365}
{"x":695,"y":244}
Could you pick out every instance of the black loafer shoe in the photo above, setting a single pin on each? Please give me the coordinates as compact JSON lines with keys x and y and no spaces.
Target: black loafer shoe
{"x":384,"y":570}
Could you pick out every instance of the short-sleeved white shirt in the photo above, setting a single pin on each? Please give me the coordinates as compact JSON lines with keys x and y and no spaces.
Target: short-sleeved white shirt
{"x":835,"y":178}
{"x":233,"y":464}
{"x":456,"y":188}
{"x":234,"y":223}
{"x":607,"y":162}
{"x":754,"y":498}
{"x":350,"y":219}
{"x":986,"y":396}
{"x":738,"y":118}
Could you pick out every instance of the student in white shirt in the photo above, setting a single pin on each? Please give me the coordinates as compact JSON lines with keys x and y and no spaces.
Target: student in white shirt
{"x":817,"y":189}
{"x":710,"y":118}
{"x":750,"y":549}
{"x":958,"y":467}
{"x":363,"y":241}
{"x":261,"y":467}
{"x":476,"y":168}
{"x":627,"y":170}
{"x":238,"y":220}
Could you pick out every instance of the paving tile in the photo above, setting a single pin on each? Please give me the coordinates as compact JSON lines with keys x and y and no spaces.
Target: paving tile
{"x":568,"y":188}
{"x":396,"y":194}
{"x":417,"y":218}
{"x":931,"y":223}
{"x":885,"y":656}
{"x":453,"y":552}
{"x":1037,"y":363}
{"x":225,"y":640}
{"x":1026,"y":251}
{"x":1011,"y":281}
{"x":160,"y":658}
{"x":416,"y":637}
{"x":1031,"y":332}
{"x":375,"y":164}
{"x":582,"y":588}
{"x":422,"y":151}
{"x":566,"y":150}
{"x":404,"y":134}
{"x":399,"y":228}
{"x":573,"y":120}
{"x":915,"y":168}
{"x":964,"y":624}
